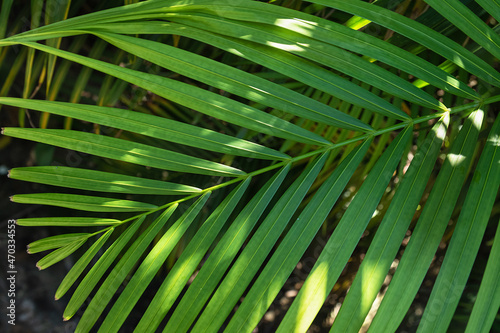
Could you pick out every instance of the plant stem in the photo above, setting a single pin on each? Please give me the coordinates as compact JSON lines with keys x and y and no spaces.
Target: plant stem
{"x":330,"y":147}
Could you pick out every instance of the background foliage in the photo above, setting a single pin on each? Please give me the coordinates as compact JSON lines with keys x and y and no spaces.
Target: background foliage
{"x":290,"y":165}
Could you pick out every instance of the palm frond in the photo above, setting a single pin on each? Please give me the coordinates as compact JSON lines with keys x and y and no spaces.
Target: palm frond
{"x":296,"y":124}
